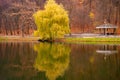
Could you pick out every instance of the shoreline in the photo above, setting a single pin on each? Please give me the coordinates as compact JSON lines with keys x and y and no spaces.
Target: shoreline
{"x":88,"y":39}
{"x":18,"y":38}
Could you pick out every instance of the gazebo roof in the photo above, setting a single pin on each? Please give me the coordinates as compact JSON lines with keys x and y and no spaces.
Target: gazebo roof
{"x":106,"y":26}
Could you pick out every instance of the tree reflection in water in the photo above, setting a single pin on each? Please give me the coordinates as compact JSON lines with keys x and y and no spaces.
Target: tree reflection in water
{"x":52,"y":58}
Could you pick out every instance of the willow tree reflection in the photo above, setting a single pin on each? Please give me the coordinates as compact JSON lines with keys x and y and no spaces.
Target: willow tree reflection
{"x":52,"y":58}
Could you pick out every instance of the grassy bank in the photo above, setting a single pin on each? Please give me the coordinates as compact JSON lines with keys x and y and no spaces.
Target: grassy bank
{"x":94,"y":40}
{"x":18,"y":38}
{"x":3,"y":39}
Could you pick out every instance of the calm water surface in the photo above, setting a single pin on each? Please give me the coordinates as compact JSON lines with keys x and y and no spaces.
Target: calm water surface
{"x":58,"y":61}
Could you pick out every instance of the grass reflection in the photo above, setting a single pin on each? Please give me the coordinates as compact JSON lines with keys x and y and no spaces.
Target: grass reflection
{"x":53,"y":59}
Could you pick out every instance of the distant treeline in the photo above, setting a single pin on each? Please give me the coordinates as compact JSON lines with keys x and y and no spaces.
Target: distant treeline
{"x":16,"y":15}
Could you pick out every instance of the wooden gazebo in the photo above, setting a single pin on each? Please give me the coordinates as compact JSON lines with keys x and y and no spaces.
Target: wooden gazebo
{"x":107,"y":29}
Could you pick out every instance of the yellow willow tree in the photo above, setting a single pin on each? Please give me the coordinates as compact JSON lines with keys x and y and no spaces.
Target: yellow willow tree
{"x":52,"y":22}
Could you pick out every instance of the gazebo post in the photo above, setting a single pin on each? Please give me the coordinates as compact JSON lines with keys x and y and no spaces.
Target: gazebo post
{"x":114,"y":31}
{"x":107,"y":31}
{"x":100,"y":31}
{"x":104,"y":30}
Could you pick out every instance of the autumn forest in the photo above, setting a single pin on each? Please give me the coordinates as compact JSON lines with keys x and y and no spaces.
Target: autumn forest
{"x":16,"y":16}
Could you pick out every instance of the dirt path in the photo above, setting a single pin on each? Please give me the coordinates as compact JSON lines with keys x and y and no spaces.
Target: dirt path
{"x":90,"y":35}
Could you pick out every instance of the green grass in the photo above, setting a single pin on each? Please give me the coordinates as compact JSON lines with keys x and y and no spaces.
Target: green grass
{"x":3,"y":39}
{"x":18,"y":38}
{"x":94,"y":40}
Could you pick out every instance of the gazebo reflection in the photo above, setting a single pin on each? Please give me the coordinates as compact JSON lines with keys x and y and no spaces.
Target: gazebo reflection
{"x":107,"y":50}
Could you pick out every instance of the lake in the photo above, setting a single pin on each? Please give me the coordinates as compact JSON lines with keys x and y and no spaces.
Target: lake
{"x":59,"y":61}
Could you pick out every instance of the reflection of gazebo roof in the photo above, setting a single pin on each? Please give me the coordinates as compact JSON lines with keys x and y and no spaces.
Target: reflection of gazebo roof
{"x":107,"y":52}
{"x":106,"y":26}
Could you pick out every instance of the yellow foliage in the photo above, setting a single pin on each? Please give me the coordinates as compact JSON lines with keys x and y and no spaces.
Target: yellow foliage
{"x":92,"y":59}
{"x":92,"y":15}
{"x":36,"y":33}
{"x":53,"y":59}
{"x":53,"y":22}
